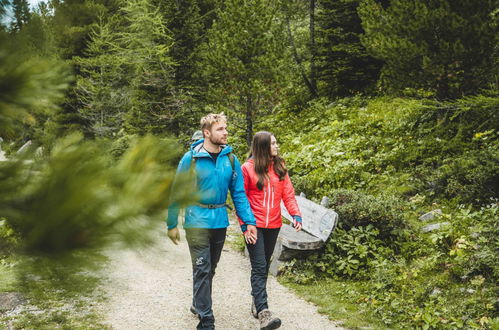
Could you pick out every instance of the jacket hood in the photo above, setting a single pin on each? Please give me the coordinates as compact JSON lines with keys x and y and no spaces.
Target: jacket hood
{"x":199,"y":151}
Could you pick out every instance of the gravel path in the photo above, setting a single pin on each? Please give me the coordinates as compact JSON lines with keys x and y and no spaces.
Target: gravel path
{"x":151,"y":289}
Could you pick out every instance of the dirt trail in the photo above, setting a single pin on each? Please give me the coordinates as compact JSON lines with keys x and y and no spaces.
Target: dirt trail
{"x":151,"y":289}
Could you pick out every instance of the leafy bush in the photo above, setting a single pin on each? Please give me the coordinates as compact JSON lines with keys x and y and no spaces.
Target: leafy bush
{"x":472,"y":177}
{"x":352,"y":253}
{"x":475,"y":244}
{"x":358,"y":209}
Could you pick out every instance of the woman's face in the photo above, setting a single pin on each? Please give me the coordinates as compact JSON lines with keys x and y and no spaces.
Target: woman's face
{"x":274,"y":148}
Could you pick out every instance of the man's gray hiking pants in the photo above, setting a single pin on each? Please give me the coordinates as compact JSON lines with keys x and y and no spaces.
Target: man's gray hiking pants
{"x":205,"y":246}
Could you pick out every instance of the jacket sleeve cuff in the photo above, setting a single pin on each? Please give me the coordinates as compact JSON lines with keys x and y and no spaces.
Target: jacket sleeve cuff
{"x":171,"y":225}
{"x":297,"y":218}
{"x":244,"y":227}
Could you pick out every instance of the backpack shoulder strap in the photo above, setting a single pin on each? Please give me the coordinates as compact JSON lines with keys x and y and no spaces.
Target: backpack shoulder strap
{"x":231,"y":158}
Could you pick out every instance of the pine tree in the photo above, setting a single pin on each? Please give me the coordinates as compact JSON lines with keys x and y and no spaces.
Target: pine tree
{"x":76,"y":19}
{"x":146,"y":45}
{"x":442,"y":46}
{"x":185,"y":23}
{"x":344,"y":66}
{"x":22,"y":14}
{"x":126,"y":75}
{"x":243,"y":60}
{"x":102,"y":90}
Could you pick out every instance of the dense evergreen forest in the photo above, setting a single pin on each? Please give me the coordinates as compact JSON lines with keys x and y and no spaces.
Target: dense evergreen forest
{"x":388,"y":107}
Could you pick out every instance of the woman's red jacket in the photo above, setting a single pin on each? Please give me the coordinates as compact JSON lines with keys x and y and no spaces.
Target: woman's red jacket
{"x":266,"y":203}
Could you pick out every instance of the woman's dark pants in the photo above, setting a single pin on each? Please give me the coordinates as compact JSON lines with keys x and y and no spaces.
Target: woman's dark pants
{"x":205,"y":246}
{"x":260,"y":254}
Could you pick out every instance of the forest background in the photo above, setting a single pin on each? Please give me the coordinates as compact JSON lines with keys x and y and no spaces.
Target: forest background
{"x":388,"y":107}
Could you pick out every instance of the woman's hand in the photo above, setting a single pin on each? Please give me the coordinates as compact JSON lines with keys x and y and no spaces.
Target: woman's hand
{"x":297,"y":222}
{"x":297,"y":226}
{"x":250,"y":234}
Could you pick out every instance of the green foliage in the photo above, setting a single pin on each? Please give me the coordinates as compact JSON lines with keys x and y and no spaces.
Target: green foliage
{"x":352,"y":253}
{"x":30,"y":86}
{"x":8,"y":238}
{"x":472,"y":177}
{"x":126,"y":78}
{"x":451,"y":281}
{"x":62,"y":293}
{"x":75,"y":19}
{"x":446,"y":47}
{"x":445,"y":279}
{"x":185,"y":21}
{"x":385,"y":213}
{"x":399,"y":147}
{"x":383,"y":162}
{"x":22,"y":14}
{"x":242,"y":60}
{"x":337,"y":299}
{"x":344,"y":67}
{"x":78,"y":197}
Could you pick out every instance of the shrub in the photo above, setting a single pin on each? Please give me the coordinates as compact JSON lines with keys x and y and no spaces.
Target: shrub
{"x":471,"y":178}
{"x":358,"y":209}
{"x":352,"y":253}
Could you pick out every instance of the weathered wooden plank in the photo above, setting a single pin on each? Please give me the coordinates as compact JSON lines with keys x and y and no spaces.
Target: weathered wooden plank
{"x":317,"y":220}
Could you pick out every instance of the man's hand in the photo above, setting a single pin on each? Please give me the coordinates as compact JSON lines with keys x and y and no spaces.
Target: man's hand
{"x":174,"y":235}
{"x":250,"y":234}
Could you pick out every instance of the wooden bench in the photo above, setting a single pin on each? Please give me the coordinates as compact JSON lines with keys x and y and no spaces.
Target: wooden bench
{"x":318,"y":224}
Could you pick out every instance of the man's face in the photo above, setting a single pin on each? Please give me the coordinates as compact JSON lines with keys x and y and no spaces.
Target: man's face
{"x":218,"y":133}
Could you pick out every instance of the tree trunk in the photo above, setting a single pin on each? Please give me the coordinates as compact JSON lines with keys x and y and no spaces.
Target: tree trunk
{"x":312,"y":45}
{"x":298,"y":61}
{"x":249,"y":119}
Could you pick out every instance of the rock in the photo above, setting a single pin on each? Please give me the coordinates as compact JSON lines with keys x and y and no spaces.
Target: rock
{"x":431,"y":215}
{"x":435,"y":292}
{"x":434,"y":226}
{"x":24,"y":147}
{"x":10,"y":300}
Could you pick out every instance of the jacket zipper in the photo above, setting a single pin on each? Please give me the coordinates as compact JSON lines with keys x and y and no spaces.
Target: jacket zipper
{"x":272,"y":196}
{"x":268,"y":208}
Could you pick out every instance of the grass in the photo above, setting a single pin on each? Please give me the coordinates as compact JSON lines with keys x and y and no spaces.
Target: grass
{"x":331,"y":298}
{"x":8,"y":279}
{"x":62,"y":293}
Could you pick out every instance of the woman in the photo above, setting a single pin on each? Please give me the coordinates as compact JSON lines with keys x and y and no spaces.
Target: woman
{"x":267,"y":183}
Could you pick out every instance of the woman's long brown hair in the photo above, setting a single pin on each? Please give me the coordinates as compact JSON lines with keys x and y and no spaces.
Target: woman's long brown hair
{"x":260,"y":151}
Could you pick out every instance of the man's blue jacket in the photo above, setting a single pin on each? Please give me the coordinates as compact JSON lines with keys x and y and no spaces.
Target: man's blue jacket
{"x":214,"y":180}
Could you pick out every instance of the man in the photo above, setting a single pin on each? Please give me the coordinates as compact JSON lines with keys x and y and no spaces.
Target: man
{"x":217,"y":171}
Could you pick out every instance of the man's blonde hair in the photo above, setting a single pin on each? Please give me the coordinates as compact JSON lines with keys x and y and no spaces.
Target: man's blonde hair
{"x":208,"y":120}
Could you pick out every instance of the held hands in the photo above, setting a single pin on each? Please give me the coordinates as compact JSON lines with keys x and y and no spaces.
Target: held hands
{"x":296,"y":222}
{"x":250,"y":234}
{"x":174,"y":235}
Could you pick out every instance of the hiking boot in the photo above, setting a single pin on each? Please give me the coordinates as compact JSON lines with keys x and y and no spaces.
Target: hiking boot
{"x":193,"y":311}
{"x":253,"y":308}
{"x":267,"y":321}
